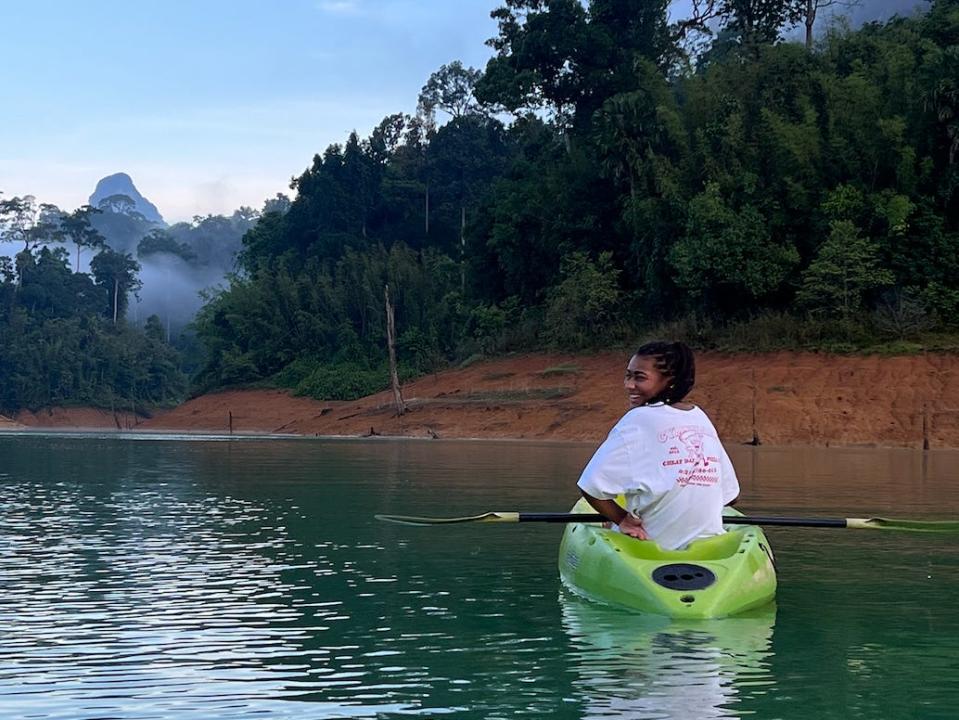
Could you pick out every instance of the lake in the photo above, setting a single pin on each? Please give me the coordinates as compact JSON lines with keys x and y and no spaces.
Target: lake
{"x":171,"y":577}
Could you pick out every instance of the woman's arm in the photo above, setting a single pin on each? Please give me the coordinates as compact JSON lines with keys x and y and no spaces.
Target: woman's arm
{"x":628,"y":523}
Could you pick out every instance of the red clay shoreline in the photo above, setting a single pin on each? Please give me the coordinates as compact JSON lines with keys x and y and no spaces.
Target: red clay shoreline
{"x":773,"y":399}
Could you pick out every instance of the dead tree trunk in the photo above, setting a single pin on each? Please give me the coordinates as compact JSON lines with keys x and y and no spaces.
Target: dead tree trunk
{"x":810,"y":20}
{"x":463,"y":250}
{"x":401,"y":408}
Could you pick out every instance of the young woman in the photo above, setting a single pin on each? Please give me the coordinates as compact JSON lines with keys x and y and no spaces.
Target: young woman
{"x":663,"y":456}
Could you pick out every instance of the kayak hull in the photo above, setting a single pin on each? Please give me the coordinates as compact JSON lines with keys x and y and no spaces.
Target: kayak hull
{"x":712,"y":578}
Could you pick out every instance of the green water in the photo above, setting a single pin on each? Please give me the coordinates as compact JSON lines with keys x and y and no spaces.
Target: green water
{"x":175,"y":578}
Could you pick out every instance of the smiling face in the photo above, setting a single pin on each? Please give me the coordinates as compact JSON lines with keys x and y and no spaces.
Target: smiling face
{"x":643,"y":380}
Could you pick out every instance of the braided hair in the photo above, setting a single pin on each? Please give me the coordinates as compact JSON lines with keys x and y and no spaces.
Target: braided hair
{"x":675,"y":361}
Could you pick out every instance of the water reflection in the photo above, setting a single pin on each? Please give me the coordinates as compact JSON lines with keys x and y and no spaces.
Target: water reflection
{"x":639,"y":667}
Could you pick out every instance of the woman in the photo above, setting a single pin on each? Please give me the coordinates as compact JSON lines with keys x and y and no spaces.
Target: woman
{"x":663,"y":456}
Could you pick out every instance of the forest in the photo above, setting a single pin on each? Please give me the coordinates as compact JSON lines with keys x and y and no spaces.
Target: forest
{"x":608,"y":176}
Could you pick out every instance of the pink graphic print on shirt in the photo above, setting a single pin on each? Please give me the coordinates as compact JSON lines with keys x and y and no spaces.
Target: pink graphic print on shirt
{"x":687,"y":455}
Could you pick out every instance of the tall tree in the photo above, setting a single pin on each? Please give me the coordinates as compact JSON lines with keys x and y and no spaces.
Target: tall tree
{"x":452,"y":90}
{"x":845,"y":269}
{"x":116,"y":274}
{"x":568,"y":58}
{"x":22,"y":220}
{"x":759,"y":22}
{"x":76,"y":228}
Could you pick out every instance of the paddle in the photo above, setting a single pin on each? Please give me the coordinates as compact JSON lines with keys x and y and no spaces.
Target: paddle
{"x":942,"y":526}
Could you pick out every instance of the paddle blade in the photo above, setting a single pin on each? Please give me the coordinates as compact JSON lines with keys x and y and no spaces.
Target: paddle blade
{"x":424,"y":521}
{"x":877,"y":523}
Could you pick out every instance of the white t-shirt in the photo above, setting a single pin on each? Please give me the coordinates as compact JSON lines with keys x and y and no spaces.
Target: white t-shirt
{"x":673,"y":470}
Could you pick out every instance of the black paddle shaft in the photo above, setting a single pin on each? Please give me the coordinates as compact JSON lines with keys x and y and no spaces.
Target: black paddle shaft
{"x":561,"y":517}
{"x":785,"y":521}
{"x":727,"y":519}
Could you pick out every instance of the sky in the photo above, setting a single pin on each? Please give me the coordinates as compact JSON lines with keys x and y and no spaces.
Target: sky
{"x":213,"y":104}
{"x":209,"y":105}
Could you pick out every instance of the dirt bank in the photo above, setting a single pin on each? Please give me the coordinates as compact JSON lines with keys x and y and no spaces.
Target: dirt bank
{"x":77,"y":418}
{"x":779,"y":399}
{"x":8,"y":424}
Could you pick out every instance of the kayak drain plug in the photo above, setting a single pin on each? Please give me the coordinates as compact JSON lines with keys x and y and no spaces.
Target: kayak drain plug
{"x":683,"y":576}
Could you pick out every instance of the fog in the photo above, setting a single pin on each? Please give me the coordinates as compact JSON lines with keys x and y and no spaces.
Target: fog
{"x":172,"y":291}
{"x":171,"y":287}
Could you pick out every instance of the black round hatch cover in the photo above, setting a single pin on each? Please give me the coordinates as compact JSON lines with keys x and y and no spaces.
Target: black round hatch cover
{"x":683,"y":576}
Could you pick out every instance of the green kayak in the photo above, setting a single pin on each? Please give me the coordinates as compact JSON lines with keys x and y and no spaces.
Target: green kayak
{"x":712,"y":578}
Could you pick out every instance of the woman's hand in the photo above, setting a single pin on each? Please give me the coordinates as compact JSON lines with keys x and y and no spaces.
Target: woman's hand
{"x":633,"y":526}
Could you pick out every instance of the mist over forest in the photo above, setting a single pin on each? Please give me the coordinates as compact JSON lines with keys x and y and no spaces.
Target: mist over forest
{"x":177,"y":263}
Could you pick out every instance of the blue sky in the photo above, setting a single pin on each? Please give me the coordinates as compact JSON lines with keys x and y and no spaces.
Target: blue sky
{"x":212,"y":104}
{"x":209,"y":104}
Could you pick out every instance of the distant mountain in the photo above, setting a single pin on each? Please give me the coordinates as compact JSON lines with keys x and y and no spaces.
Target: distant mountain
{"x":122,"y":184}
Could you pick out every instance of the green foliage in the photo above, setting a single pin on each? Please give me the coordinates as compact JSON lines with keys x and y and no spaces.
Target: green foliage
{"x":844,"y":270}
{"x":115,"y":274}
{"x":570,"y":58}
{"x":471,"y":360}
{"x":159,"y":241}
{"x":214,"y":240}
{"x":583,"y":303}
{"x":450,"y":89}
{"x":943,"y":302}
{"x":77,"y":228}
{"x":729,"y":251}
{"x":488,"y":323}
{"x":59,"y":347}
{"x":320,"y":380}
{"x":343,"y":382}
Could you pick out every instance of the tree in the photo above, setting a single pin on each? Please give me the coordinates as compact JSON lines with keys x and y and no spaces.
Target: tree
{"x":639,"y":135}
{"x":812,"y":9}
{"x":464,"y":157}
{"x":727,"y":249}
{"x":537,"y":46}
{"x":120,"y":204}
{"x":845,"y":269}
{"x":450,"y":89}
{"x":160,"y":241}
{"x":759,"y":22}
{"x":579,"y":307}
{"x":387,"y":137}
{"x":76,"y":228}
{"x":569,"y":58}
{"x":21,"y":220}
{"x":279,"y":204}
{"x":401,"y":408}
{"x":245,"y":217}
{"x":359,"y":182}
{"x":116,"y":275}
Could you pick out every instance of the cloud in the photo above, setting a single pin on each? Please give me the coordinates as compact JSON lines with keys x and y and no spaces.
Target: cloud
{"x":340,"y":7}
